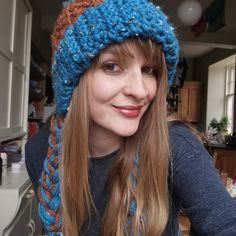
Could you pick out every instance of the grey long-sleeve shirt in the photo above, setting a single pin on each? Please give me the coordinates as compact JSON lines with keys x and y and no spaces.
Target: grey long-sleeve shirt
{"x":194,"y":183}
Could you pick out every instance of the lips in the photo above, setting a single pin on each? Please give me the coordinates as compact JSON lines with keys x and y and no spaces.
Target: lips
{"x":129,"y":111}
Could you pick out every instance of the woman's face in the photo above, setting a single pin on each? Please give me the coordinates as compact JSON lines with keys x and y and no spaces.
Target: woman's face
{"x":119,"y":93}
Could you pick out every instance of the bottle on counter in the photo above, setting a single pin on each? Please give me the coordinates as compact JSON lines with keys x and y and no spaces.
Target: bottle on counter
{"x":3,"y":156}
{"x":0,"y":171}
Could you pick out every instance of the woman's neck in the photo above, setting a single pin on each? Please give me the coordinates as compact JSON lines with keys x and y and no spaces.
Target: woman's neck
{"x":103,"y":143}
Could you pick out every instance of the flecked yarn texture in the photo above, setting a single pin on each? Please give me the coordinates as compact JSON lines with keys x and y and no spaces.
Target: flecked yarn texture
{"x":82,"y":30}
{"x":96,"y":28}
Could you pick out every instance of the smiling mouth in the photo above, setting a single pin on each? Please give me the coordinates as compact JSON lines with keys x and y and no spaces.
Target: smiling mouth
{"x":129,"y":111}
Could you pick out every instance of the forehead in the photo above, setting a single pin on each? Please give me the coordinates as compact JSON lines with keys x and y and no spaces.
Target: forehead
{"x":144,"y":49}
{"x":121,"y":52}
{"x":134,"y":48}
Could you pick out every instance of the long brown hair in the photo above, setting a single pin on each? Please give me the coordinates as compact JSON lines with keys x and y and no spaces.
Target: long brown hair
{"x":150,"y":142}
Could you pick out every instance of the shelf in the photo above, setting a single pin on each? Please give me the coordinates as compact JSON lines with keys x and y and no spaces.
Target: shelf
{"x":35,"y":118}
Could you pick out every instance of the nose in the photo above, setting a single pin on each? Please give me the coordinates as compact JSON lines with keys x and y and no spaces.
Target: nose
{"x":136,"y":85}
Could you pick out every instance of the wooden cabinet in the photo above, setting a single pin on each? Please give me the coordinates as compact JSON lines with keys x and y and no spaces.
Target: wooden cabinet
{"x":225,"y":160}
{"x":189,"y":101}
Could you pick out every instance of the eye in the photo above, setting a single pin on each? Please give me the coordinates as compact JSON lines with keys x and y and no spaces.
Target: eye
{"x":111,"y":67}
{"x":150,"y":70}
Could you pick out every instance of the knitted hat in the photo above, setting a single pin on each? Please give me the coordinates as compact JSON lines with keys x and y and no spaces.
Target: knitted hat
{"x":83,"y":29}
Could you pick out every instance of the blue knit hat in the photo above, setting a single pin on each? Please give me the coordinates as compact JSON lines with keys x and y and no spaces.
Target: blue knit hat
{"x":83,"y":29}
{"x":100,"y":25}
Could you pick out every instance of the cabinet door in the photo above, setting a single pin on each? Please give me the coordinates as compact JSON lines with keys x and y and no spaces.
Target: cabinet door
{"x":26,"y":222}
{"x":7,"y":24}
{"x":15,"y":28}
{"x":20,"y":224}
{"x":195,"y":103}
{"x":38,"y":228}
{"x":189,"y":104}
{"x":183,"y":103}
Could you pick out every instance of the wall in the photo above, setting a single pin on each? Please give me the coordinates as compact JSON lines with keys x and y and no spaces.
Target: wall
{"x":201,"y":72}
{"x":190,"y":72}
{"x":215,"y":94}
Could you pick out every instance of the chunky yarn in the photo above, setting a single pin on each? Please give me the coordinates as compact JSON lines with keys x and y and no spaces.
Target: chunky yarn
{"x":82,"y":30}
{"x":49,"y":190}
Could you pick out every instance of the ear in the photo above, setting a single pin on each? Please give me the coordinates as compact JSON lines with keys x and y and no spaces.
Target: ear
{"x":65,"y":2}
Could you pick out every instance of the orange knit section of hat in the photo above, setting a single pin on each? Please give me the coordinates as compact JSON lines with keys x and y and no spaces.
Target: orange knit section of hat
{"x":68,"y":16}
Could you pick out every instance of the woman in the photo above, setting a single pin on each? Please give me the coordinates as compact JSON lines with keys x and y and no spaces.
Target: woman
{"x":114,"y":166}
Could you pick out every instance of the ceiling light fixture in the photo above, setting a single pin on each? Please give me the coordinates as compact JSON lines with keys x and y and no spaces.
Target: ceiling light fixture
{"x":189,"y":12}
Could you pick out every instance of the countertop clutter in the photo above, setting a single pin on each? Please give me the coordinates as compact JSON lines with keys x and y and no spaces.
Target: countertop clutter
{"x":18,"y":202}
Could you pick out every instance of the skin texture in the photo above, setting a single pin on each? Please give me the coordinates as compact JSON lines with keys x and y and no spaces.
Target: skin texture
{"x":118,"y":95}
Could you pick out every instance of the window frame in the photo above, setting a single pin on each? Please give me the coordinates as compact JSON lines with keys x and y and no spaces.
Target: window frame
{"x":229,"y":95}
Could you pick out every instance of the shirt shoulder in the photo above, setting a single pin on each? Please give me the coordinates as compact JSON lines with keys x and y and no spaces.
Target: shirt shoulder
{"x":197,"y":185}
{"x":184,"y":142}
{"x":35,"y":154}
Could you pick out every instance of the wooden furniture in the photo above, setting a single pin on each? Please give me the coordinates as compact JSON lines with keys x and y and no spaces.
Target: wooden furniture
{"x":225,"y":159}
{"x":186,"y":101}
{"x":18,"y":214}
{"x":223,"y":173}
{"x":189,"y":101}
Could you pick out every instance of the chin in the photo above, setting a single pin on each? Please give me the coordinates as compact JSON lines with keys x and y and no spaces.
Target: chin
{"x":127,"y":132}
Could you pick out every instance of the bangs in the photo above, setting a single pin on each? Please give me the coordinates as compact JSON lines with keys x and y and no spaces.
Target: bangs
{"x":147,"y":48}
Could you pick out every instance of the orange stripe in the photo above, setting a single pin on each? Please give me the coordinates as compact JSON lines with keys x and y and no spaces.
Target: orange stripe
{"x":67,"y":17}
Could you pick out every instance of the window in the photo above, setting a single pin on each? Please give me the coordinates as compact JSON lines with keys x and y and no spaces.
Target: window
{"x":230,"y":94}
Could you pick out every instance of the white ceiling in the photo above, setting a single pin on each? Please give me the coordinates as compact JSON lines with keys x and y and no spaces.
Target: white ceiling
{"x":191,"y":46}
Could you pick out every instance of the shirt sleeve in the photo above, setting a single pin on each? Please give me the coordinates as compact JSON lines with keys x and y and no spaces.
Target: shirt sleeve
{"x":212,"y":211}
{"x":35,"y":153}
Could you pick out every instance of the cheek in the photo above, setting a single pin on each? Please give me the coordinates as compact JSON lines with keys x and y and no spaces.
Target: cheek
{"x":99,"y":92}
{"x":152,"y":88}
{"x":102,"y":88}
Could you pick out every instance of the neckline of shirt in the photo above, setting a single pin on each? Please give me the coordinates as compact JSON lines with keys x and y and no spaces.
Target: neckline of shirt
{"x":106,"y":157}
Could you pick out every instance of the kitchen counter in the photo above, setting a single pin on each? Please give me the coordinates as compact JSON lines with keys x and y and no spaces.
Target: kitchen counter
{"x":222,"y":146}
